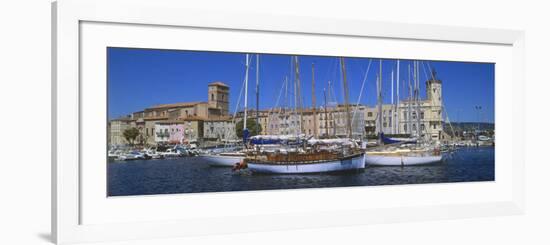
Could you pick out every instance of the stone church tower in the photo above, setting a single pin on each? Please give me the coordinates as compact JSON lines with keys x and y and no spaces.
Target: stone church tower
{"x":218,"y":97}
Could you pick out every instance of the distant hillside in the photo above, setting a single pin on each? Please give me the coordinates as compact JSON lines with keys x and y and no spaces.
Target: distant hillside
{"x":469,"y":126}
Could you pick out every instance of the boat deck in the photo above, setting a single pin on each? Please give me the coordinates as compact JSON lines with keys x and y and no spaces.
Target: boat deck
{"x":299,"y":158}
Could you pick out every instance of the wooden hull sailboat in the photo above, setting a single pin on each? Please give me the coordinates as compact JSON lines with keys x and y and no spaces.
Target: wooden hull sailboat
{"x":299,"y":165}
{"x":309,"y":156}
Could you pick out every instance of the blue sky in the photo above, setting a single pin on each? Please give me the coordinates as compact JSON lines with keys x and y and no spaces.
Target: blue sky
{"x":139,"y":78}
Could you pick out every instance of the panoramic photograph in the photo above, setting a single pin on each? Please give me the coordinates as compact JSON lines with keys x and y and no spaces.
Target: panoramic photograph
{"x":185,"y":121}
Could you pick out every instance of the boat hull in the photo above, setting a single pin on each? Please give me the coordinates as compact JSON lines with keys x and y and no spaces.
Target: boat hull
{"x":381,"y":160}
{"x":348,"y":164}
{"x":222,"y":161}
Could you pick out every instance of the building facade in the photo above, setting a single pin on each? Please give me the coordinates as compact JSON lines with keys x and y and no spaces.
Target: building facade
{"x":422,"y":118}
{"x":116,"y":130}
{"x":177,"y":122}
{"x":210,"y":121}
{"x":219,"y":130}
{"x":170,"y":132}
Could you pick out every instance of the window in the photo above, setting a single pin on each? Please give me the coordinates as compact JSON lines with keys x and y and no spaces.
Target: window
{"x":435,"y":126}
{"x":422,"y":127}
{"x":421,"y":115}
{"x":369,"y":114}
{"x":212,"y":96}
{"x":405,"y":127}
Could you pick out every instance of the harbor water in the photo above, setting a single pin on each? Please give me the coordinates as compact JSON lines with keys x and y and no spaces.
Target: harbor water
{"x":190,"y":175}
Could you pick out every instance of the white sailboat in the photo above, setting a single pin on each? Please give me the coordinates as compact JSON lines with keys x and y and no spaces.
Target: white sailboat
{"x":403,"y":156}
{"x":407,"y":151}
{"x":230,"y":159}
{"x":226,"y":159}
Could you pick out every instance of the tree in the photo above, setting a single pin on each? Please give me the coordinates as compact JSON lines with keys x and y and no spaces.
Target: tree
{"x":253,"y":128}
{"x":130,"y":135}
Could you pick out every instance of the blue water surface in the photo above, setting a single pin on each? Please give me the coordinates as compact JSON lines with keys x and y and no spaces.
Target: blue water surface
{"x":190,"y":175}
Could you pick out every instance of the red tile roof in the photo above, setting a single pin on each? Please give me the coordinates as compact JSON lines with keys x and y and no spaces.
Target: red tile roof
{"x":175,"y":105}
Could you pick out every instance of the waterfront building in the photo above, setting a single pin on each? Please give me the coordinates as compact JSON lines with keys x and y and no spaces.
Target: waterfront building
{"x":152,"y":122}
{"x":423,"y":118}
{"x":177,"y":132}
{"x":116,"y":129}
{"x":193,"y":130}
{"x":170,"y":132}
{"x":316,"y":123}
{"x":162,"y":133}
{"x":219,"y":130}
{"x":210,"y":122}
{"x":427,"y":120}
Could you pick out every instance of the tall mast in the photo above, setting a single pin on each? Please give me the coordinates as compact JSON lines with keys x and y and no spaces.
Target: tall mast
{"x":326,"y":114}
{"x":257,"y":91}
{"x":332,"y":113}
{"x":397,"y":102}
{"x":417,"y":95}
{"x":285,"y":120}
{"x":313,"y":102}
{"x":298,"y":92}
{"x":410,"y":100}
{"x":379,"y":98}
{"x":296,"y":129}
{"x":415,"y":101}
{"x":346,"y":96}
{"x":329,"y":88}
{"x":245,"y":92}
{"x":393,"y":111}
{"x":392,"y":86}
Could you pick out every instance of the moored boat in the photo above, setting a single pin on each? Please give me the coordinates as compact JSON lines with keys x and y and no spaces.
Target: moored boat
{"x":228,"y":159}
{"x":298,"y":155}
{"x":402,"y":157}
{"x":403,"y":151}
{"x":306,"y":163}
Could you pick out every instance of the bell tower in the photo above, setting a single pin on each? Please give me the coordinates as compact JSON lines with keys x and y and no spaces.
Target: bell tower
{"x":218,"y":97}
{"x":433,"y":90}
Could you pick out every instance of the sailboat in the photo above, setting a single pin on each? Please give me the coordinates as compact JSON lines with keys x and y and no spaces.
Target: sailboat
{"x":406,"y":151}
{"x":232,"y":158}
{"x":224,"y":159}
{"x":307,"y":156}
{"x":403,"y":156}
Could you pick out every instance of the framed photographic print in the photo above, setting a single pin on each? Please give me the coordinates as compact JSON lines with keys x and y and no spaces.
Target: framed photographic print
{"x":201,"y":122}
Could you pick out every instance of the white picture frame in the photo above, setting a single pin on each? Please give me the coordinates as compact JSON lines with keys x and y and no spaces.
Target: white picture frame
{"x":68,"y":16}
